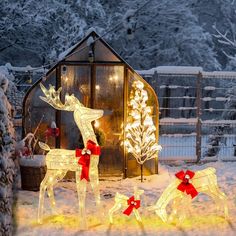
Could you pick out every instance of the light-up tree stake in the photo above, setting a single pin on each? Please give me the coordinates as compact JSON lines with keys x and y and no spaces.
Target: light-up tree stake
{"x":140,"y":139}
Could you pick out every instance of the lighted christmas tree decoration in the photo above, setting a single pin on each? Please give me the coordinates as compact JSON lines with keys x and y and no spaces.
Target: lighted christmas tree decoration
{"x":140,"y":139}
{"x":83,"y":162}
{"x":130,"y":204}
{"x":184,"y":189}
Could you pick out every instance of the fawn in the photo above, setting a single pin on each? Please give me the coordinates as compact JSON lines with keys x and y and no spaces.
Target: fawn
{"x":122,"y":201}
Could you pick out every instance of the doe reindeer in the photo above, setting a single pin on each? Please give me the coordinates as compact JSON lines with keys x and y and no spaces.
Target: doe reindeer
{"x":59,"y":161}
{"x":204,"y":181}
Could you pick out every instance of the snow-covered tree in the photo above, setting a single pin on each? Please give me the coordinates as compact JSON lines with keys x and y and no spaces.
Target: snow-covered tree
{"x":42,"y":29}
{"x":225,"y":40}
{"x":6,"y":162}
{"x":140,"y":139}
{"x":218,"y":18}
{"x":166,"y":32}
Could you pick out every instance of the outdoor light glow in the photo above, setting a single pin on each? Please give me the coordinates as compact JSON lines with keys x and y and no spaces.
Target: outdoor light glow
{"x":203,"y":181}
{"x":97,"y":87}
{"x":96,"y":124}
{"x":128,"y":204}
{"x":59,"y":161}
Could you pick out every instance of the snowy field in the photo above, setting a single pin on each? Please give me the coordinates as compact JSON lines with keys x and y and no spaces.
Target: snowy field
{"x":202,"y":217}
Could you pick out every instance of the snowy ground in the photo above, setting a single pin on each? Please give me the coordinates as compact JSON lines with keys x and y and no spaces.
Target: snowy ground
{"x":202,"y":220}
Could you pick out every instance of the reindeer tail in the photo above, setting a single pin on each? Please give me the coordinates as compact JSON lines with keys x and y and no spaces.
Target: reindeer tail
{"x":44,"y":146}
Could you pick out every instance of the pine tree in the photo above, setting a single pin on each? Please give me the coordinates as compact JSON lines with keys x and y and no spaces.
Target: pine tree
{"x":140,"y":139}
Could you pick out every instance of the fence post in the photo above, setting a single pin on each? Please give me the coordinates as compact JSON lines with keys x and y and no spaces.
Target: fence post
{"x":199,"y":124}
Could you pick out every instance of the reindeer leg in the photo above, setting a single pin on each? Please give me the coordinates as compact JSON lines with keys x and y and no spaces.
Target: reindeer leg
{"x":219,"y":198}
{"x":43,"y":187}
{"x":94,"y":181}
{"x":169,"y":193}
{"x":211,"y":194}
{"x":57,"y":176}
{"x":81,"y":189}
{"x":184,"y":208}
{"x":223,"y":200}
{"x":115,"y":208}
{"x":137,"y":215}
{"x":175,"y":208}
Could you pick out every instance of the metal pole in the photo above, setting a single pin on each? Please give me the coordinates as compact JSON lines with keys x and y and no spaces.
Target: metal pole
{"x":58,"y":112}
{"x":199,"y":108}
{"x":125,"y":101}
{"x":157,"y":125}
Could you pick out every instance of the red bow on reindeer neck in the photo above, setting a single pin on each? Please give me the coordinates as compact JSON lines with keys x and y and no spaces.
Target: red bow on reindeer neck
{"x":132,"y":204}
{"x":185,"y":185}
{"x":84,"y":157}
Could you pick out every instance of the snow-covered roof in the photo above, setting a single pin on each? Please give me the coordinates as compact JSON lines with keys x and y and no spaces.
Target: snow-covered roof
{"x":171,"y":70}
{"x":63,"y":54}
{"x":178,"y":120}
{"x":224,"y":74}
{"x":24,"y":68}
{"x":187,"y":70}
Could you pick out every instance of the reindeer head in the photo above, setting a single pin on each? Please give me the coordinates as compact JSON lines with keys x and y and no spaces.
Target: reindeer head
{"x":52,"y":97}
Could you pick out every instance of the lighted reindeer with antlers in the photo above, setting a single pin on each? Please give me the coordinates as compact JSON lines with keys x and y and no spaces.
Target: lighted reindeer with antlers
{"x":186,"y":186}
{"x":83,"y":162}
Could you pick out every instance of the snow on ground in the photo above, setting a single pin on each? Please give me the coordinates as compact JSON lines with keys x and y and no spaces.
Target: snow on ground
{"x":203,"y":218}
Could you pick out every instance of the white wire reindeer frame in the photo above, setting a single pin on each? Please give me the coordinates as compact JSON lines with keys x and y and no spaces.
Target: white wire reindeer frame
{"x":59,"y":161}
{"x":204,"y":181}
{"x":133,"y":203}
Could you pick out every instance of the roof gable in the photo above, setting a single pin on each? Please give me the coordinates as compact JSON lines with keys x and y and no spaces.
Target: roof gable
{"x":102,"y":51}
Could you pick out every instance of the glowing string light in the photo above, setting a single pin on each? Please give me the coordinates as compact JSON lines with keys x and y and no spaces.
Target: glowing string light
{"x":140,"y":139}
{"x":130,"y":204}
{"x":204,"y":181}
{"x":59,"y":161}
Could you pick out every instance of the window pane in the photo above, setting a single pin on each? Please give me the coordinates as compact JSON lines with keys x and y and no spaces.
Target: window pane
{"x":36,"y":110}
{"x":109,"y":97}
{"x":76,"y":80}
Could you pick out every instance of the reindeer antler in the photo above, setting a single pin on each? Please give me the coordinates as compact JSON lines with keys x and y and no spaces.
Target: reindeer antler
{"x":52,"y":97}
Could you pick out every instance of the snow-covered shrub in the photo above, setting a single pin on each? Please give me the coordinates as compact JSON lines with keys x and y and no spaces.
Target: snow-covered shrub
{"x":15,"y":97}
{"x":7,"y":167}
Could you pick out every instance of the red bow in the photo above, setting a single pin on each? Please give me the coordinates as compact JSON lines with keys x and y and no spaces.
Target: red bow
{"x":132,"y":204}
{"x":52,"y":132}
{"x":84,"y":157}
{"x":185,"y":185}
{"x":26,"y":152}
